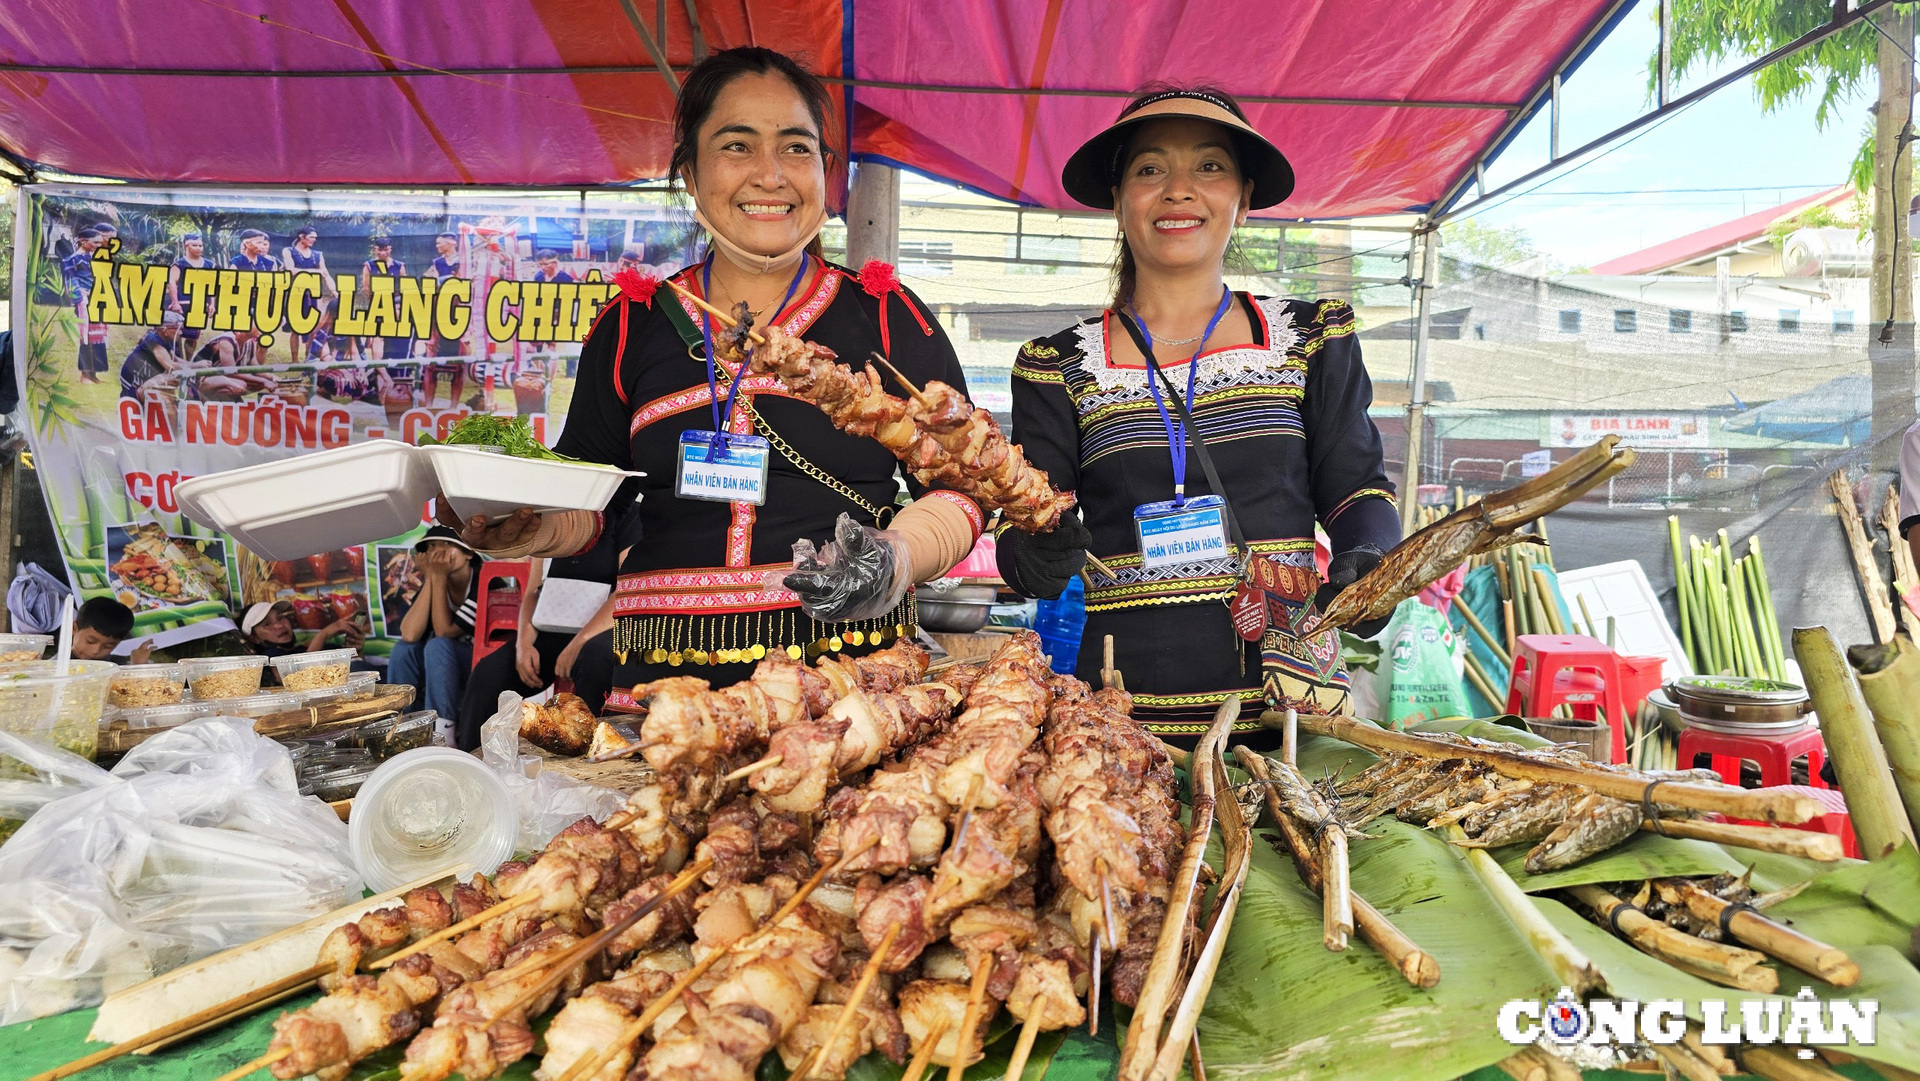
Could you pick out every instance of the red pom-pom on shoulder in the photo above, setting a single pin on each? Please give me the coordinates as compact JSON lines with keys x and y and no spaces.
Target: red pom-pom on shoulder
{"x":879,"y":278}
{"x":637,"y":286}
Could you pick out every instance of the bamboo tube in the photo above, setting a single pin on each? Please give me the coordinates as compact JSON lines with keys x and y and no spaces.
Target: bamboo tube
{"x":1535,"y":1064}
{"x":1569,"y":965}
{"x":1682,"y":598}
{"x":1806,"y":954}
{"x":1757,"y":804}
{"x":1547,"y":609}
{"x":1778,"y":1064}
{"x":1711,"y":1054}
{"x":1418,"y":966}
{"x":1481,"y":682}
{"x":1156,"y":991}
{"x":1890,"y":683}
{"x":1506,"y":613}
{"x":1879,"y":820}
{"x":1769,"y":622}
{"x":1299,"y":799}
{"x":1761,"y":979}
{"x":1824,"y":847}
{"x":1656,"y":939}
{"x":1504,"y":657}
{"x":1685,"y":1063}
{"x":1586,"y":613}
{"x":1866,"y":567}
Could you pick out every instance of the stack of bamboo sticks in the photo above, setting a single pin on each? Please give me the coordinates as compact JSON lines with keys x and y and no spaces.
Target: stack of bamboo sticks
{"x":1727,"y":622}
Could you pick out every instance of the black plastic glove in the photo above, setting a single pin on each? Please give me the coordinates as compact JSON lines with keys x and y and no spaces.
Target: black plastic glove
{"x":861,"y":574}
{"x":1042,"y":564}
{"x":1344,"y":569}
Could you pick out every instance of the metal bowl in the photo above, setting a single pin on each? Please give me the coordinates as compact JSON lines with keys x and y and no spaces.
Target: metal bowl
{"x":1733,"y":703}
{"x":955,"y":609}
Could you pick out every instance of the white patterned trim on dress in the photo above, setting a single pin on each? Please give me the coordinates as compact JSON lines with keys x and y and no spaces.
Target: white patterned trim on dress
{"x":1225,"y":368}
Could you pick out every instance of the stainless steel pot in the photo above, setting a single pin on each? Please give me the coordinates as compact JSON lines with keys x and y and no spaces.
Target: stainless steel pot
{"x":955,"y":608}
{"x":1739,"y":704}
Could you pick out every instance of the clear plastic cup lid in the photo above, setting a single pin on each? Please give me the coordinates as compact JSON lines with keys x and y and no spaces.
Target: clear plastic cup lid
{"x":293,"y":662}
{"x":161,"y":716}
{"x":427,"y":811}
{"x":256,"y":705}
{"x":197,"y":665}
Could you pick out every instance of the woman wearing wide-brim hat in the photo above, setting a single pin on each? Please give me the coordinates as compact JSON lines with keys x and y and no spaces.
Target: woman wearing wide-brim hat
{"x":1278,"y":399}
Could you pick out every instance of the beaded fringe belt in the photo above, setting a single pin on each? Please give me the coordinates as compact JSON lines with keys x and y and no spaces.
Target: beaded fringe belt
{"x":730,"y":638}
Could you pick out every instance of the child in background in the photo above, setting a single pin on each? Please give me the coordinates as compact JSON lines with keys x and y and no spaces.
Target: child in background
{"x":99,"y":627}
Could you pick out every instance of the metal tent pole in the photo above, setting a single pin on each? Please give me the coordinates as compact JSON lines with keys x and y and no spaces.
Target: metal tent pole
{"x":1417,"y":391}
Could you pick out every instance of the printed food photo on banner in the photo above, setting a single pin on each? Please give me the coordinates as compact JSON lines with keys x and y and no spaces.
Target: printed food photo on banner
{"x":400,"y":582}
{"x":166,"y":335}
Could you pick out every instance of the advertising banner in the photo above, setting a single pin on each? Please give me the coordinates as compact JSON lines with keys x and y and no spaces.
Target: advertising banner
{"x":1647,"y":431}
{"x":163,"y":334}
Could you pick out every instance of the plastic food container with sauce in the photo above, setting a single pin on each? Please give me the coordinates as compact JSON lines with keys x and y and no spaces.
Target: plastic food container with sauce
{"x":15,"y":648}
{"x":138,"y":686}
{"x":162,"y":716}
{"x":223,"y":677}
{"x":256,"y":705}
{"x":389,"y":737}
{"x":315,"y":671}
{"x":62,"y":710}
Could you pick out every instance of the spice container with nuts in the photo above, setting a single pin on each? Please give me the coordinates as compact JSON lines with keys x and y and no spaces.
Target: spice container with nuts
{"x":223,"y":677}
{"x":161,"y":716}
{"x":137,"y":686}
{"x":358,"y":683}
{"x":312,"y":671}
{"x":15,"y":648}
{"x":258,"y":705}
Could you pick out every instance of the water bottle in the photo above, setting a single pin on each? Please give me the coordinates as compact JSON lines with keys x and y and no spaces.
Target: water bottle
{"x":1060,"y":623}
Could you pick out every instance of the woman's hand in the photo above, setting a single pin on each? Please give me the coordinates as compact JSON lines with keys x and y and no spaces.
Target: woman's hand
{"x":563,"y":665}
{"x":480,"y":535}
{"x":526,"y":660}
{"x":1043,"y":564}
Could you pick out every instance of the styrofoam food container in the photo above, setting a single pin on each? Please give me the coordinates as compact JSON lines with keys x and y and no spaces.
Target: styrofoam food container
{"x":317,"y":502}
{"x":163,"y":716}
{"x":430,"y":810}
{"x":492,"y":485}
{"x":294,"y":662}
{"x":198,"y":669}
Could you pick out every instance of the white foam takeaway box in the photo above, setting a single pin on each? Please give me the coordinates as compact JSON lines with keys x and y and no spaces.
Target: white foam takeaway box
{"x":316,"y":502}
{"x":370,"y":491}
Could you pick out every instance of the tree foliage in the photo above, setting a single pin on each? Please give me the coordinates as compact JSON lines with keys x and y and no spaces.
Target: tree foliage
{"x":1489,"y":245}
{"x":1707,"y":33}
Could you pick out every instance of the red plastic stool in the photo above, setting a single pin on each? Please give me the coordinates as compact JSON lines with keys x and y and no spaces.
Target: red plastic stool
{"x":1573,"y":670}
{"x":1835,"y":821}
{"x":499,"y":606}
{"x":1773,"y":754}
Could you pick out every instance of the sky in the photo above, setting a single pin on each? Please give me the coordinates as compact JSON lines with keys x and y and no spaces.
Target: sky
{"x":1623,"y":199}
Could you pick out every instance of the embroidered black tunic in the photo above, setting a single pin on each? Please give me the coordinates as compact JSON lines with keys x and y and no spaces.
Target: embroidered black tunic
{"x":1285,"y":420}
{"x":689,"y":601}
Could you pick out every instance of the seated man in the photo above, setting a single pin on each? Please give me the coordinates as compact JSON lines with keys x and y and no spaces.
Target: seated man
{"x":435,"y":650}
{"x":99,"y":626}
{"x":268,"y":629}
{"x":152,"y":366}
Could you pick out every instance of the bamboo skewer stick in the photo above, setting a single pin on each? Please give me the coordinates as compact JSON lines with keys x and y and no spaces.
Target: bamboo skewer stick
{"x":1879,"y":820}
{"x":267,"y":1059}
{"x":847,"y":1012}
{"x":1809,"y":955}
{"x":976,"y":997}
{"x":1023,"y":1048}
{"x":918,"y":395}
{"x":581,"y":951}
{"x":219,"y":1013}
{"x":1290,"y":739}
{"x":460,"y":928}
{"x":1824,"y":847}
{"x":1654,"y":938}
{"x":1568,"y":964}
{"x":1093,"y":986}
{"x":629,"y":749}
{"x":752,"y":768}
{"x":925,"y":1055}
{"x":1756,"y":804}
{"x":1094,"y":562}
{"x":1418,"y":966}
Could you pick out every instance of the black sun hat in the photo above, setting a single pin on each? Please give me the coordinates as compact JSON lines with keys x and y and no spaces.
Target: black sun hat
{"x":1094,"y":170}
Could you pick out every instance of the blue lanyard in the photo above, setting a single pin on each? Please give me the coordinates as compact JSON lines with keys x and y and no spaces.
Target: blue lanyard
{"x":723,"y":407}
{"x":1177,"y":442}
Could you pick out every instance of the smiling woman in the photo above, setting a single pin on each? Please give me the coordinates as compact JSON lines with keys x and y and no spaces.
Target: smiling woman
{"x":1267,"y":394}
{"x":737,"y":470}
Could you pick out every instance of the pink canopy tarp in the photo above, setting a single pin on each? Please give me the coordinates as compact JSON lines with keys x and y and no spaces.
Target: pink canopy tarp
{"x":1383,"y":105}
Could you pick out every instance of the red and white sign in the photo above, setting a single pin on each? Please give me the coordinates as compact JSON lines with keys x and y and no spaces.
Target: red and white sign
{"x":1661,"y":431}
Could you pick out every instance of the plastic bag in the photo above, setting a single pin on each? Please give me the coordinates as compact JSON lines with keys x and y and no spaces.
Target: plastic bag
{"x":196,"y":842}
{"x":860,"y":574}
{"x":548,"y":802}
{"x":1425,"y":664}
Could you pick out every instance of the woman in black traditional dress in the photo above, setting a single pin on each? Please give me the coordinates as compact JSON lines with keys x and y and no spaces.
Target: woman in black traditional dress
{"x":737,"y":474}
{"x":1274,"y":386}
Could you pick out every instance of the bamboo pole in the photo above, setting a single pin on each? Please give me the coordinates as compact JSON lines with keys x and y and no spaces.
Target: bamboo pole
{"x":1809,"y":955}
{"x":1543,"y":599}
{"x":1682,"y":595}
{"x":1569,"y":965}
{"x":1769,"y":622}
{"x":1778,"y":1064}
{"x":1418,"y":966}
{"x":1823,"y":847}
{"x":1512,"y":631}
{"x":1879,"y":819}
{"x":1482,"y":682}
{"x":1670,"y":944}
{"x":1866,"y":567}
{"x":1756,"y":804}
{"x":1890,"y":683}
{"x":1493,"y":644}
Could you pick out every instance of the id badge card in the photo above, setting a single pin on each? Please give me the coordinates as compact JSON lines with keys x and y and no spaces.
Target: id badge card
{"x":735,"y":472}
{"x":1194,"y":531}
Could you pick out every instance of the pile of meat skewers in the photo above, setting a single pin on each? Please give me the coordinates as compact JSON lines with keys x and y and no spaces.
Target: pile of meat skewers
{"x":866,"y":863}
